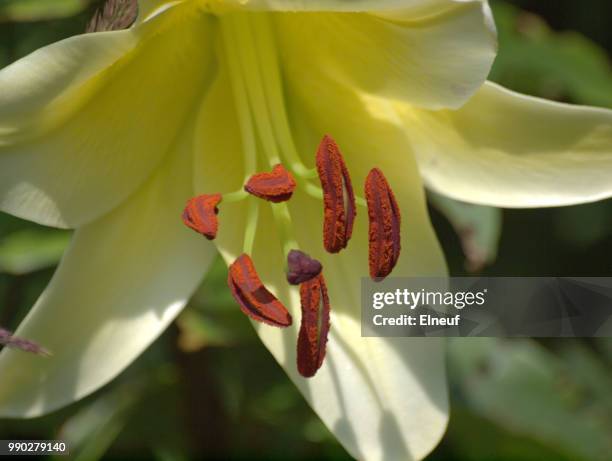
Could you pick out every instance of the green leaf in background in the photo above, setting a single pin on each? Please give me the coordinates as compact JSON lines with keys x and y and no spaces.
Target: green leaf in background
{"x":198,"y":330}
{"x":605,"y":345}
{"x":29,"y":250}
{"x":534,"y":59}
{"x":475,"y":438}
{"x":584,"y":225}
{"x":92,"y":430}
{"x":560,"y":400}
{"x":36,"y":10}
{"x":478,"y":227}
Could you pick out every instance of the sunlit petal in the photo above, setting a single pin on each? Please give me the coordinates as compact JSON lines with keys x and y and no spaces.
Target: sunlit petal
{"x":408,"y":423}
{"x":147,"y":9}
{"x":414,"y":8}
{"x":83,"y":122}
{"x":123,"y":280}
{"x":510,"y":150}
{"x":433,"y":60}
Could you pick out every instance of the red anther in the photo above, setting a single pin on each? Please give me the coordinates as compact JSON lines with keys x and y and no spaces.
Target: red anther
{"x":254,"y":298}
{"x":200,"y":214}
{"x":314,"y":329}
{"x":338,"y":196}
{"x":384,"y":232}
{"x":277,"y":186}
{"x":301,"y":267}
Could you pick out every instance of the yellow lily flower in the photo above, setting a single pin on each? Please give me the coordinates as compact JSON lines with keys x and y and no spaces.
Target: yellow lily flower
{"x":110,"y":133}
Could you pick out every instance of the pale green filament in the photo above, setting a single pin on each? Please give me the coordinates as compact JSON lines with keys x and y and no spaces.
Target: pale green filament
{"x":248,"y":62}
{"x":249,"y":146}
{"x":257,"y":87}
{"x":236,"y":196}
{"x":268,"y":61}
{"x":282,"y":217}
{"x":251,"y":228}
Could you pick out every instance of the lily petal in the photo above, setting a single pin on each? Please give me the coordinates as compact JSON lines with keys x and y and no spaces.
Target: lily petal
{"x":429,"y":57}
{"x":386,"y":397}
{"x":147,"y":9}
{"x":509,"y":150}
{"x":383,"y":398}
{"x":414,"y":7}
{"x":71,"y":148}
{"x":122,"y":281}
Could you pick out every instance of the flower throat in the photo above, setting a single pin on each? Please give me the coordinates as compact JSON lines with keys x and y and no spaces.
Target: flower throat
{"x":250,"y":51}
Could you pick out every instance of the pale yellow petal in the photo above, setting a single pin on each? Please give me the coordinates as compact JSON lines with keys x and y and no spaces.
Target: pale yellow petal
{"x":402,"y":380}
{"x":147,"y":9}
{"x":436,"y":60}
{"x":382,"y":398}
{"x":509,"y":150}
{"x":412,"y":7}
{"x":83,"y":122}
{"x":122,"y":281}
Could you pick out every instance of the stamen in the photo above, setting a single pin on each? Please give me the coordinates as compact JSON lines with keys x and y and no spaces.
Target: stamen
{"x":384,"y":232}
{"x":200,"y":214}
{"x":301,"y":267}
{"x":113,"y":15}
{"x":338,"y":196}
{"x":254,"y":298}
{"x":312,"y":339}
{"x":9,"y":340}
{"x":277,"y":186}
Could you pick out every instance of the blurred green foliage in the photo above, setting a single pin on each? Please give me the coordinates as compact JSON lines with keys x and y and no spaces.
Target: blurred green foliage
{"x":561,"y":66}
{"x":209,"y":389}
{"x":30,"y":250}
{"x":36,"y":10}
